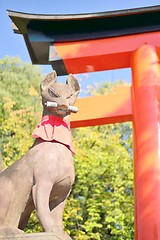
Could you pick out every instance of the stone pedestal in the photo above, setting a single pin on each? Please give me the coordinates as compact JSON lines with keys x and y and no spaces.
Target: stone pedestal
{"x":36,"y":236}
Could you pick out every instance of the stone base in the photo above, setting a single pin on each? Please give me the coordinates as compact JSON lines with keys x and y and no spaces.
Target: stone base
{"x":36,"y":236}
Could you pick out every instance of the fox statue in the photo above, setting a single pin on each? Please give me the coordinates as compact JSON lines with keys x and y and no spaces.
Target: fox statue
{"x":42,"y":179}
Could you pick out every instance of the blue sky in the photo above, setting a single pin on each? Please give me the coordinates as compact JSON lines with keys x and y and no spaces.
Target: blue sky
{"x":13,"y":44}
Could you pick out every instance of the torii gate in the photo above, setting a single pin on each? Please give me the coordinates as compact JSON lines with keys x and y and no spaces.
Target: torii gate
{"x":102,"y":41}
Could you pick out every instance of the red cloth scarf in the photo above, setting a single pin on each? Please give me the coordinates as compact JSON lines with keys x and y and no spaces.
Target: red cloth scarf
{"x":52,"y":128}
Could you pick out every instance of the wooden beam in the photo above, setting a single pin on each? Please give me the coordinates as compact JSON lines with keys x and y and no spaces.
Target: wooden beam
{"x":102,"y":54}
{"x":79,"y":43}
{"x":114,"y":107}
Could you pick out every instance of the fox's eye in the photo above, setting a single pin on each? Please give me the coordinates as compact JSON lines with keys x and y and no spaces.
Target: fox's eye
{"x":52,"y":93}
{"x":69,"y":96}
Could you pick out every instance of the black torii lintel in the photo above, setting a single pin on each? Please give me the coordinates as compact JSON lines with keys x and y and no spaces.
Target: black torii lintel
{"x":40,"y":31}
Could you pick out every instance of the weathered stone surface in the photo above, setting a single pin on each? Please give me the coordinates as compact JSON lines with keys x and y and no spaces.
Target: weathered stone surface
{"x":42,"y":179}
{"x":36,"y":236}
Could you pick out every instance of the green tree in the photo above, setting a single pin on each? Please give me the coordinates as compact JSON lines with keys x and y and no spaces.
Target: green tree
{"x":103,"y":190}
{"x":102,"y":196}
{"x":20,"y":106}
{"x":15,"y":131}
{"x":19,"y":82}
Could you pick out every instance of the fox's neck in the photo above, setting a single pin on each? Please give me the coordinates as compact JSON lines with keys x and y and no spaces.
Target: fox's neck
{"x":53,"y":113}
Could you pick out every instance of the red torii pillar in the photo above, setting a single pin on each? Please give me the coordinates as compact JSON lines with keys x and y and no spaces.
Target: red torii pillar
{"x":146,"y":116}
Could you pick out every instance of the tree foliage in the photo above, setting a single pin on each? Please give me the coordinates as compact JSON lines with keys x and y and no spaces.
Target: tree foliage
{"x":19,"y":106}
{"x":100,"y":206}
{"x":19,"y":81}
{"x":103,"y":190}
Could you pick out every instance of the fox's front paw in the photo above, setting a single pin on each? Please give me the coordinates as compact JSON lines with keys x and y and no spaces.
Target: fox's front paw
{"x":6,"y":231}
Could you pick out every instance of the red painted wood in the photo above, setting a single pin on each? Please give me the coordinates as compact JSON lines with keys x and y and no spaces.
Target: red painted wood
{"x":103,"y":54}
{"x":146,"y":113}
{"x":111,"y":108}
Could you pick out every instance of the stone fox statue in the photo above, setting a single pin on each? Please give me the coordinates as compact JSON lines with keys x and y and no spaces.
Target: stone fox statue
{"x":43,"y":178}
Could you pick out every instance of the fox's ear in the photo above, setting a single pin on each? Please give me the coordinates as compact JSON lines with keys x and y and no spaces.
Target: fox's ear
{"x":73,"y":82}
{"x":50,"y":78}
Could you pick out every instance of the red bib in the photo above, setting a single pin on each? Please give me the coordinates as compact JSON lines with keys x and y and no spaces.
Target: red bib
{"x":52,"y":128}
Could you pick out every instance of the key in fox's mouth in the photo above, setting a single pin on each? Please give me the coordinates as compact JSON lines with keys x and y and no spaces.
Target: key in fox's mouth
{"x":55,"y":105}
